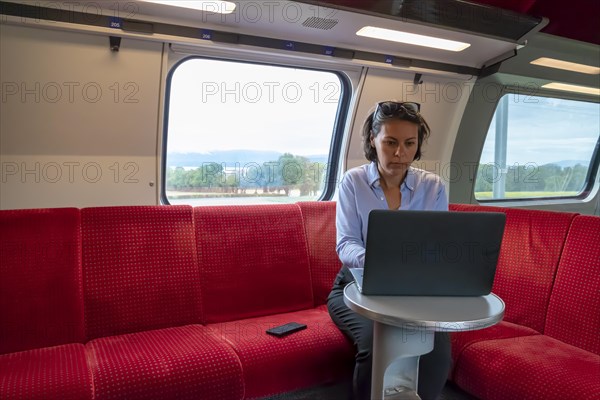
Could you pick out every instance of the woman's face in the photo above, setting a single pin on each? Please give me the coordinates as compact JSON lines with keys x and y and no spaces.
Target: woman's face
{"x":396,"y":146}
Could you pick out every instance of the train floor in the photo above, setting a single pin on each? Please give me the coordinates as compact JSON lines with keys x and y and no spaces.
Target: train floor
{"x":341,"y":392}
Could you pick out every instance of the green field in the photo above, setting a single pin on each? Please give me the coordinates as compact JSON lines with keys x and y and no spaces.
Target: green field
{"x":525,"y":195}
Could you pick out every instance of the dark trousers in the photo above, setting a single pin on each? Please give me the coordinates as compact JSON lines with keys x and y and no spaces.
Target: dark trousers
{"x":433,"y":367}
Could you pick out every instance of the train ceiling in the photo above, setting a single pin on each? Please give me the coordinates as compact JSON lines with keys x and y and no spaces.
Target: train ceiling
{"x":493,"y":33}
{"x":575,"y":19}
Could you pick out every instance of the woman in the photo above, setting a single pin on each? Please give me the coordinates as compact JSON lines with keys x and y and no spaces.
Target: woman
{"x":393,"y":135}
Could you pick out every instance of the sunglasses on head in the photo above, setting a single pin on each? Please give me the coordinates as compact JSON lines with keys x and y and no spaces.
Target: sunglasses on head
{"x":389,"y":108}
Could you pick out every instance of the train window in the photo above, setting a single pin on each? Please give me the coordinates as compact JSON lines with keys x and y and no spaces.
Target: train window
{"x":243,"y":133}
{"x":538,"y":147}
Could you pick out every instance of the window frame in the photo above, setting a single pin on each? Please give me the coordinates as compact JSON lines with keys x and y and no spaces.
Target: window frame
{"x":335,"y":148}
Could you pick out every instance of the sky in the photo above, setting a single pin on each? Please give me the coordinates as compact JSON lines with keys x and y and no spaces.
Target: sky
{"x":303,"y":104}
{"x":544,"y":130}
{"x":300,"y":117}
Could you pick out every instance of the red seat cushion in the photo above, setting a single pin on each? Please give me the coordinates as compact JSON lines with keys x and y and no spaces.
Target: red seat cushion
{"x":317,"y":355}
{"x":503,"y":330}
{"x":59,"y":372}
{"x":531,"y":247}
{"x":253,"y":261}
{"x":140,"y":269}
{"x":574,"y":310}
{"x":319,"y":224}
{"x":531,"y":367}
{"x":41,"y":297}
{"x":186,"y":362}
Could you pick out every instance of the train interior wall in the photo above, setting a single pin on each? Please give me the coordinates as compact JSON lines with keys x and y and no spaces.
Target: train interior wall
{"x":83,"y":126}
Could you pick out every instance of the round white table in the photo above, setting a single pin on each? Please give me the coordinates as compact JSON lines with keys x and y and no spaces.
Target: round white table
{"x":404,"y":327}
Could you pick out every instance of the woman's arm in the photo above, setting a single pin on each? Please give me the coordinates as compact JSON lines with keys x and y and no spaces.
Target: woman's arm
{"x":350,"y":246}
{"x":441,"y":201}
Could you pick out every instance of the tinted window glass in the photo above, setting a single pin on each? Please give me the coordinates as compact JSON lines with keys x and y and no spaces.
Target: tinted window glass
{"x":241,"y":133}
{"x":538,"y":147}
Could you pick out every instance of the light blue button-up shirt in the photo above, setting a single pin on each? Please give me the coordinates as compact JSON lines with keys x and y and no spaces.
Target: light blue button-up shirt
{"x":360,"y":192}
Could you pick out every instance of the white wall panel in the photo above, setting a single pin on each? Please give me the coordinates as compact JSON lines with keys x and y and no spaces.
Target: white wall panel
{"x":68,"y":101}
{"x":442,"y":100}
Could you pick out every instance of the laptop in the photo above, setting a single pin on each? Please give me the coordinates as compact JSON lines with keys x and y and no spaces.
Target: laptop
{"x":430,"y":253}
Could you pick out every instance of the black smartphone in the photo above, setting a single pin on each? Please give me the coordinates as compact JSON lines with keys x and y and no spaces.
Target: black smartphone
{"x":286,"y":329}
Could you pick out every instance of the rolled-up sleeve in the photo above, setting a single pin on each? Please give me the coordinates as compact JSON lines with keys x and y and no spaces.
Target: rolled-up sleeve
{"x":350,"y":247}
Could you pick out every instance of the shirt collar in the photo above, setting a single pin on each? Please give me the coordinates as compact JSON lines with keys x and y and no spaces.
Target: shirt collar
{"x":373,"y":176}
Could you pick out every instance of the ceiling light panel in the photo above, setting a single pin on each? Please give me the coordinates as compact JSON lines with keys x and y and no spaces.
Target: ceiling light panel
{"x":566,"y":65}
{"x":214,"y":6}
{"x":412,"y":38}
{"x":572,"y":88}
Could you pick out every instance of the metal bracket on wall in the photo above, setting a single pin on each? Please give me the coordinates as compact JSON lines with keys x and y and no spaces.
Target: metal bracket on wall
{"x":115,"y":43}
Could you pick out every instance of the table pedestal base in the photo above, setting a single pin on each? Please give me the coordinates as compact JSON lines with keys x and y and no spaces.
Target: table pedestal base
{"x":396,"y":352}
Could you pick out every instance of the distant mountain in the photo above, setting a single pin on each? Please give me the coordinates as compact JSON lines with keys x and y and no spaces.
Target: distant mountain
{"x":569,"y":163}
{"x":230,"y":157}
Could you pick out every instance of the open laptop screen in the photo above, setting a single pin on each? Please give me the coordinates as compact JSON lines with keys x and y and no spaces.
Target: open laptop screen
{"x":431,"y":253}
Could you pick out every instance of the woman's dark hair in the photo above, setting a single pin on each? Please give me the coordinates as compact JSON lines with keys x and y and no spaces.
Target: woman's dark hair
{"x":390,"y":111}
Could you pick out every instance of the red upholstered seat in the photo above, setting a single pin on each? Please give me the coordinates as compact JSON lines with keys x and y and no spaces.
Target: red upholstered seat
{"x":574,"y":310}
{"x":59,"y":372}
{"x":531,"y":367}
{"x":531,"y":248}
{"x":253,"y":261}
{"x":41,"y":297}
{"x":502,"y":330}
{"x":140,"y":269}
{"x":319,"y":224}
{"x":317,"y":355}
{"x":175,"y":363}
{"x":148,"y":276}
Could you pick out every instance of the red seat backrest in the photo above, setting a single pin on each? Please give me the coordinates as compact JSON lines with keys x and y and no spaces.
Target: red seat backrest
{"x":41,"y":298}
{"x":319,"y":224}
{"x":140,"y":269}
{"x":253,"y":261}
{"x":574,"y":310}
{"x":531,"y":247}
